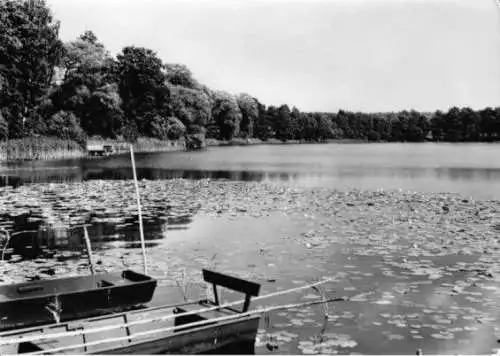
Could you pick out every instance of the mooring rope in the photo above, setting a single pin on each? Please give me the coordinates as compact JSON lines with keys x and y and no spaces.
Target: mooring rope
{"x":8,"y":341}
{"x":172,"y":328}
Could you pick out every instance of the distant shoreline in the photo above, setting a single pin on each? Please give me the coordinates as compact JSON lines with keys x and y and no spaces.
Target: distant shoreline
{"x":48,"y":148}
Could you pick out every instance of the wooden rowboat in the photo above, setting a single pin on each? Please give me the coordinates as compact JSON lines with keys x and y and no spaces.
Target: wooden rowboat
{"x":43,"y":302}
{"x":189,"y":328}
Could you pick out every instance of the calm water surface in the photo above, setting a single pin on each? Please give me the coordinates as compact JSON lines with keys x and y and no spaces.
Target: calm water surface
{"x":274,"y":248}
{"x":469,"y":169}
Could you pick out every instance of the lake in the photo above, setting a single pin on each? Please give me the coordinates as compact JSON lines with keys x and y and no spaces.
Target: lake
{"x":420,"y":270}
{"x":471,"y":169}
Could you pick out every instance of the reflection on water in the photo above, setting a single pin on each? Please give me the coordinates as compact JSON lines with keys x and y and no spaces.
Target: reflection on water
{"x":32,"y":237}
{"x":469,"y":169}
{"x":16,"y":178}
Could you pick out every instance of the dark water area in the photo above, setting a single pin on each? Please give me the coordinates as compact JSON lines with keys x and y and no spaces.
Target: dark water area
{"x":32,"y":237}
{"x":468,"y":169}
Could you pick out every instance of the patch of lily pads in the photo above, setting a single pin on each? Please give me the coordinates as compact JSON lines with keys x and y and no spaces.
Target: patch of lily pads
{"x":427,"y":263}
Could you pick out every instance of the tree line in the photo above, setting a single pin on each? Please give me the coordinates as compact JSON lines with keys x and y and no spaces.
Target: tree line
{"x":75,"y":90}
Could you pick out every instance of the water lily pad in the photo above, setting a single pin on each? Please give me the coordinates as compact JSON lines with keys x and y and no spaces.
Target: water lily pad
{"x":382,"y":302}
{"x":443,"y":336}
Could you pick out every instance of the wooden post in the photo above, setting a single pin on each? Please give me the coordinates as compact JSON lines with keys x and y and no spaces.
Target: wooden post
{"x":89,"y":249}
{"x":141,"y":229}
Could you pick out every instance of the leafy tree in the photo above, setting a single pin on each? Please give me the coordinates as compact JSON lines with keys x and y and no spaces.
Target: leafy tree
{"x":263,"y":128}
{"x":4,"y":128}
{"x":176,"y":128}
{"x":397,"y":133}
{"x":354,"y":122}
{"x":104,"y":115}
{"x":453,"y":126}
{"x":417,"y":127}
{"x":192,"y":107}
{"x":249,"y":113}
{"x":325,"y":129}
{"x":382,"y":126}
{"x":179,"y":74}
{"x":470,"y":124}
{"x":65,"y":125}
{"x":76,"y":89}
{"x":486,"y":125}
{"x":89,"y":36}
{"x":227,"y":114}
{"x":301,"y":126}
{"x":283,"y":124}
{"x":437,"y":126}
{"x":295,"y":122}
{"x":342,"y":121}
{"x":142,"y":87}
{"x":88,"y":87}
{"x":366,"y":125}
{"x":490,"y":124}
{"x":29,"y":51}
{"x":310,"y":125}
{"x":85,"y":58}
{"x":171,"y":128}
{"x":373,"y":136}
{"x":404,"y":122}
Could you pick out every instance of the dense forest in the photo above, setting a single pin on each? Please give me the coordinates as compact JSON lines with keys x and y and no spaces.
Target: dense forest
{"x":76,"y":90}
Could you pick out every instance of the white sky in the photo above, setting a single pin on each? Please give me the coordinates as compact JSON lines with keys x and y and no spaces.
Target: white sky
{"x":368,"y":55}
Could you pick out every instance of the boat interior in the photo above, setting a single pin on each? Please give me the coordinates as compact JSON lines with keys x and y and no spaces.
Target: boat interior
{"x":47,"y":288}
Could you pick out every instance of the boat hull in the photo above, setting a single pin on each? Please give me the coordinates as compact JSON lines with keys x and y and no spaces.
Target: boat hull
{"x":238,"y":335}
{"x":196,"y":327}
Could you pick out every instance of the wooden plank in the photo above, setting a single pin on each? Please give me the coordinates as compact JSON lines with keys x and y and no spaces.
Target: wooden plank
{"x":208,"y":314}
{"x":133,"y":314}
{"x":9,"y":349}
{"x":48,"y":344}
{"x":230,"y":282}
{"x":137,"y":328}
{"x":108,"y":334}
{"x":149,"y":341}
{"x":13,"y":349}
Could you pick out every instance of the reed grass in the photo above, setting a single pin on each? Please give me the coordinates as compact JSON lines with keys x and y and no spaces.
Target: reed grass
{"x":146,"y":144}
{"x":142,"y":145}
{"x":39,"y":148}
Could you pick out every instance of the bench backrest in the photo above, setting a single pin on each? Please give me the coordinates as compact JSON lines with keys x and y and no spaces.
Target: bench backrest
{"x":250,"y":289}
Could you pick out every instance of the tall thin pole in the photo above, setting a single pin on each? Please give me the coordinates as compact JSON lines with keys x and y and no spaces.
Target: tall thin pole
{"x":89,"y":249}
{"x":141,"y":229}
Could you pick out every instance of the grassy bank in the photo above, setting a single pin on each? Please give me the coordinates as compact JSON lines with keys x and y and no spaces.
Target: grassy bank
{"x":39,"y":148}
{"x":48,"y":148}
{"x":143,"y":144}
